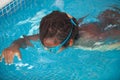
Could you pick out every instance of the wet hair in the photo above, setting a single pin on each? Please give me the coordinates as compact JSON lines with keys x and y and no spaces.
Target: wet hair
{"x":57,"y":25}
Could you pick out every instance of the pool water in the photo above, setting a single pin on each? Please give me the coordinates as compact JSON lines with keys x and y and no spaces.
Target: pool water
{"x":70,"y":64}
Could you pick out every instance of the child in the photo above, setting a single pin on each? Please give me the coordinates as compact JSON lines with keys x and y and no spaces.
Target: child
{"x":59,"y":30}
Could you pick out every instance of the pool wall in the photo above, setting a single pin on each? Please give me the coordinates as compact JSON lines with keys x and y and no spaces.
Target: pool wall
{"x":11,"y":7}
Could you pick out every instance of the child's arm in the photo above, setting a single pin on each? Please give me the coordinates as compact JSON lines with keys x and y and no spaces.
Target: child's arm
{"x":13,"y":49}
{"x":25,"y":41}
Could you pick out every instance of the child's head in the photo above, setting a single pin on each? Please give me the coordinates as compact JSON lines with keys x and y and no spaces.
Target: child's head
{"x":55,"y":27}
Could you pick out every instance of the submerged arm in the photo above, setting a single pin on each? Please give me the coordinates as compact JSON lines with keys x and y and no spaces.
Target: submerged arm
{"x":13,"y":49}
{"x":24,"y":42}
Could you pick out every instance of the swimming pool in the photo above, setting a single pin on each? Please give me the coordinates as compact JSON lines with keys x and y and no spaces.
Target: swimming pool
{"x":71,"y":64}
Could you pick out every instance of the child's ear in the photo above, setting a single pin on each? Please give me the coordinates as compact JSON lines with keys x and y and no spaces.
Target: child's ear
{"x":71,"y":42}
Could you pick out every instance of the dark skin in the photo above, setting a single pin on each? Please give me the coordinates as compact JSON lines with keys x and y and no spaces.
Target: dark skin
{"x":90,"y":31}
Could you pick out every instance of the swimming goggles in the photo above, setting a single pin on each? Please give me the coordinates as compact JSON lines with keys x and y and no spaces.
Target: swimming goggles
{"x":56,"y":49}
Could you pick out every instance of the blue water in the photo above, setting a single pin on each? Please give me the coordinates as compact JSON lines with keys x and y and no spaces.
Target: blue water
{"x":70,"y":64}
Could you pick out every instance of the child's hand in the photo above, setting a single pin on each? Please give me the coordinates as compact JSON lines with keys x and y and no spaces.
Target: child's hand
{"x":9,"y":53}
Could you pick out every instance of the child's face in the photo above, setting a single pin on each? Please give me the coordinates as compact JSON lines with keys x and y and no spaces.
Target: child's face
{"x":54,"y":45}
{"x":51,"y":42}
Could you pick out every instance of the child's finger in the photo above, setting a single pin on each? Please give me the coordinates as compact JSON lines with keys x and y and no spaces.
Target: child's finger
{"x":18,"y":55}
{"x":1,"y":58}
